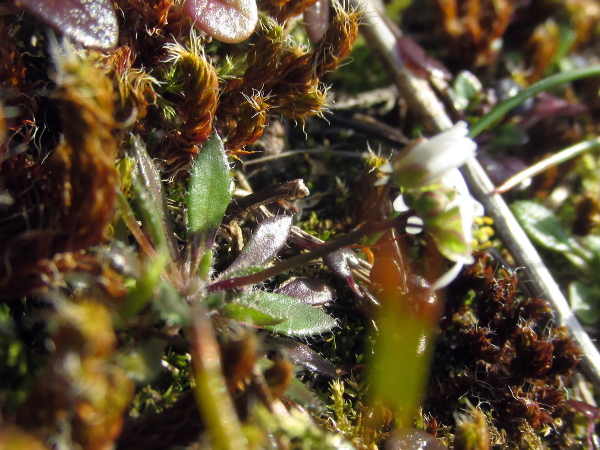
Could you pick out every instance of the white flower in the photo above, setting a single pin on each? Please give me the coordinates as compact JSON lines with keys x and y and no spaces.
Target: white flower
{"x":427,"y":161}
{"x":468,"y":208}
{"x":435,"y":189}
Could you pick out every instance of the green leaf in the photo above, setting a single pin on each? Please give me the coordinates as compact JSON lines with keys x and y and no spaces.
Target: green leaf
{"x":171,"y":306}
{"x":543,"y":85}
{"x":447,"y":231}
{"x":509,"y":135}
{"x":585,"y":302}
{"x":299,"y":319}
{"x":154,"y":194}
{"x":143,"y":292}
{"x":147,"y":209}
{"x":591,"y":242}
{"x":543,"y":227}
{"x":249,"y":315}
{"x":466,"y":89}
{"x":208,"y":193}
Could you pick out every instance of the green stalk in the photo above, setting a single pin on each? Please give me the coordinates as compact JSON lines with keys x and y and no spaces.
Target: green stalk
{"x":547,"y":83}
{"x":406,"y":327}
{"x":213,"y":399}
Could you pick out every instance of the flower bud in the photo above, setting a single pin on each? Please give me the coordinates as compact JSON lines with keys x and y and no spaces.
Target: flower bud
{"x":436,"y":191}
{"x":427,"y":161}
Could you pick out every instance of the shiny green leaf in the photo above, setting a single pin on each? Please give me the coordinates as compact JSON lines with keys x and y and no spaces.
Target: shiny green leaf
{"x":298,"y":318}
{"x":585,"y":302}
{"x":208,"y":194}
{"x":542,"y":226}
{"x":249,"y":315}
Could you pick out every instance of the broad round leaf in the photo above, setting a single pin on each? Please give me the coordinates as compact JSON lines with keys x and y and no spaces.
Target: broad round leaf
{"x":91,"y":23}
{"x":226,"y":20}
{"x":543,"y":227}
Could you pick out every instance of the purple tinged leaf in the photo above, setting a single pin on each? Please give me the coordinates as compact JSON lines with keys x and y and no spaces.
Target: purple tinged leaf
{"x":91,"y":23}
{"x":226,"y":20}
{"x":340,"y":262}
{"x":269,"y":237}
{"x":302,"y":355}
{"x":312,"y":292}
{"x":316,"y":18}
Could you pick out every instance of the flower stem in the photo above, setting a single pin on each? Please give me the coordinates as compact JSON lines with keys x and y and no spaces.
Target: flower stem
{"x":212,"y":397}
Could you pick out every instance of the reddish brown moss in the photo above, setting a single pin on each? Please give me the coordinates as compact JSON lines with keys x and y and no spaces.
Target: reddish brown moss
{"x":501,"y":352}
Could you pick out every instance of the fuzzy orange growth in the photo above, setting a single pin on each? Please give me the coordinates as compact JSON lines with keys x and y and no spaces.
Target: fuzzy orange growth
{"x":84,"y":162}
{"x":542,"y":46}
{"x":285,"y":75}
{"x":135,"y":87}
{"x":82,"y":383}
{"x":283,"y":10}
{"x":473,"y":27}
{"x":337,"y":42}
{"x":250,"y":125}
{"x":12,"y":69}
{"x":199,"y":95}
{"x":201,"y":91}
{"x":155,"y":18}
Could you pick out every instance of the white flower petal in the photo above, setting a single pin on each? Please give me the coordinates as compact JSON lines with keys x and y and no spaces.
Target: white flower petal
{"x":399,"y":204}
{"x":428,"y":160}
{"x":448,"y":277}
{"x":468,"y":207}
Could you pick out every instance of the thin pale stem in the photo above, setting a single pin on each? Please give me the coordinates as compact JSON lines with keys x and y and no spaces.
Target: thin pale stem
{"x":543,"y":165}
